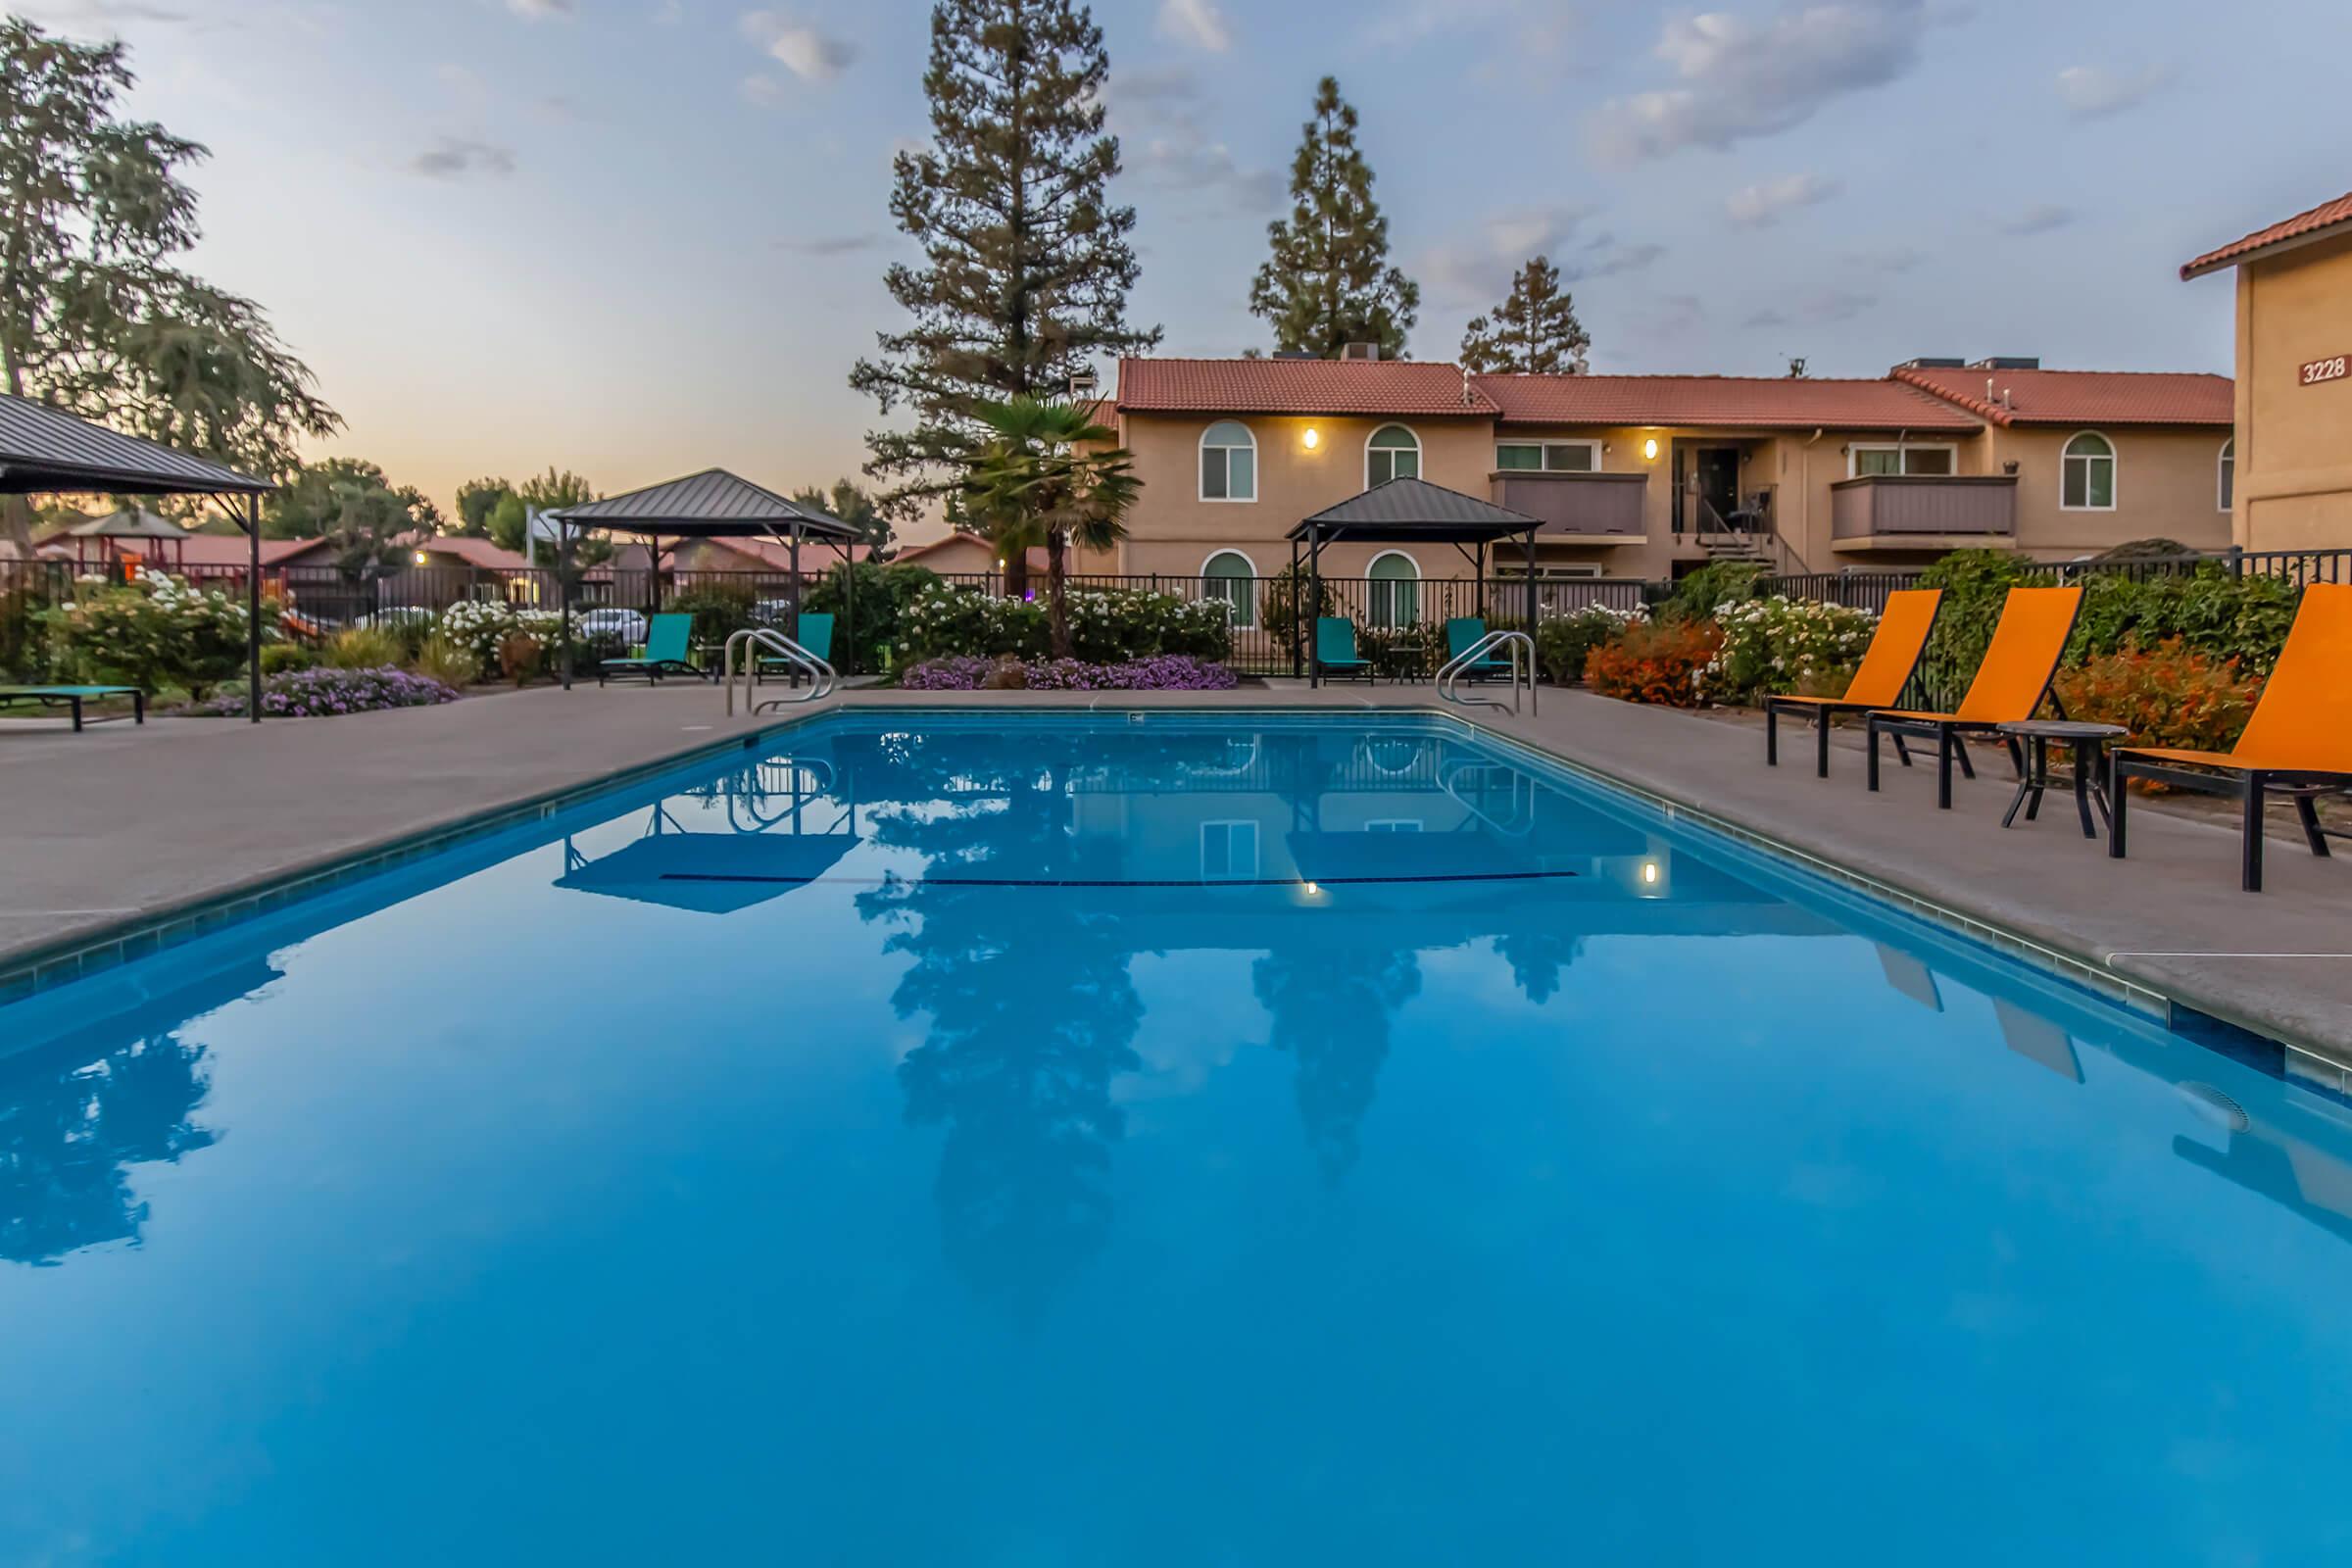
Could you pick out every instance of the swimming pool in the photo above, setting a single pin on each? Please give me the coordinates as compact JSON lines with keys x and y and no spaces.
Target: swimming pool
{"x":1056,"y":1141}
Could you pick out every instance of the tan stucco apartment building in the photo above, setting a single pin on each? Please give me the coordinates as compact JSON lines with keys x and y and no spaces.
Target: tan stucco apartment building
{"x":1649,"y":475}
{"x":2293,"y":456}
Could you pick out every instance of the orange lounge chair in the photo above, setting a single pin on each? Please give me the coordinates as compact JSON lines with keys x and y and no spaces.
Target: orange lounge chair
{"x":1894,"y":650}
{"x":2299,"y":743}
{"x":2010,"y":684}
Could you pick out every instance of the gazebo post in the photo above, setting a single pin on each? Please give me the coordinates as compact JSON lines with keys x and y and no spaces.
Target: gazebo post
{"x":253,"y":609}
{"x":1482,"y":579}
{"x":793,"y":553}
{"x":563,"y":593}
{"x":849,"y":606}
{"x":1531,"y":584}
{"x":1314,"y":624}
{"x":653,"y":579}
{"x":1297,"y":653}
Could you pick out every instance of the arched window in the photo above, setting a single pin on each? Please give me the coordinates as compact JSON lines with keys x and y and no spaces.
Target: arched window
{"x":2227,"y":491}
{"x":1396,"y":589}
{"x":1228,"y":462}
{"x":1231,"y":577}
{"x":1393,"y":452}
{"x":2086,"y":482}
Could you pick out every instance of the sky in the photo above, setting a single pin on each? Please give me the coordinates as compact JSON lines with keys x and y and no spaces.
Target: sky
{"x":637,"y":238}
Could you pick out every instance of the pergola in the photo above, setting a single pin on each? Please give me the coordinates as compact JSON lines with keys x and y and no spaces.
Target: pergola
{"x":1410,"y":511}
{"x":710,"y":505}
{"x":46,"y":451}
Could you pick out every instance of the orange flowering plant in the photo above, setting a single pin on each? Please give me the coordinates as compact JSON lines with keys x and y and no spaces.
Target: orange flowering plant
{"x":2166,"y":695}
{"x":1656,"y":661}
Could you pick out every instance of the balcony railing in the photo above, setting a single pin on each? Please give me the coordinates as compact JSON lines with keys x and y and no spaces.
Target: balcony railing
{"x":1575,"y":504}
{"x":1948,"y":506}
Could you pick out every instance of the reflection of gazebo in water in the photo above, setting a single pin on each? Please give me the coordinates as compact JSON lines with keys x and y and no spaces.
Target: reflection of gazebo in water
{"x":785,"y":830}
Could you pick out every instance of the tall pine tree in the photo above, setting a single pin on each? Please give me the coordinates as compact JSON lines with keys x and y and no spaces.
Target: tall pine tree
{"x":1026,"y":262}
{"x":1535,"y":331}
{"x":1328,"y":284}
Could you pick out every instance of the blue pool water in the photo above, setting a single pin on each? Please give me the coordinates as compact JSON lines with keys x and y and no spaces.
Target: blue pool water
{"x":1057,"y":1141}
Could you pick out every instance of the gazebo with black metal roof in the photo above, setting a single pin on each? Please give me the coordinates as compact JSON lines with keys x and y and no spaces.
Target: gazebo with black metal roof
{"x":1409,"y":511}
{"x":710,"y":505}
{"x":47,"y":451}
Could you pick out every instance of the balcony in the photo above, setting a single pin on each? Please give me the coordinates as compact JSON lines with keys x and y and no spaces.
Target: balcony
{"x":1601,"y":507}
{"x":1922,"y":512}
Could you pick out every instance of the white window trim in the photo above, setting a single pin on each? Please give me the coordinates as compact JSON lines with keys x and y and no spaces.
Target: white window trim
{"x":1201,"y":449}
{"x":2226,"y":461}
{"x":1370,"y":590}
{"x":2115,"y":472}
{"x":1420,"y":452}
{"x":1591,"y":449}
{"x":1854,"y":454}
{"x":1394,"y":825}
{"x":1233,"y":873}
{"x":1243,"y":557}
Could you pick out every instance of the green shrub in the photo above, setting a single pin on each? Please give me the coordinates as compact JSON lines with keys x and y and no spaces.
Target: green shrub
{"x":151,"y":633}
{"x":279,"y":659}
{"x":24,"y":650}
{"x":867,"y":634}
{"x":1975,"y":582}
{"x":447,"y":662}
{"x":2207,"y":609}
{"x":363,"y":648}
{"x":1781,"y":645}
{"x":1717,"y":583}
{"x":944,"y":621}
{"x":719,"y":610}
{"x":1106,"y":627}
{"x":1565,"y":642}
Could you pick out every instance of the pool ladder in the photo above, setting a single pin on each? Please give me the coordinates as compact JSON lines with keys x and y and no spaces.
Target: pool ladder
{"x":821,"y":677}
{"x":1523,"y":670}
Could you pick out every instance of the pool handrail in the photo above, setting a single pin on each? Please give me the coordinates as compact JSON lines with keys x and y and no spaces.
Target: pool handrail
{"x":821,"y":675}
{"x":1519,"y":643}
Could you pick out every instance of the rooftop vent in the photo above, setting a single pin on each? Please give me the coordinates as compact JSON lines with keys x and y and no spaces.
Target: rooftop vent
{"x":1928,"y":362}
{"x":2008,"y":362}
{"x":1361,"y":351}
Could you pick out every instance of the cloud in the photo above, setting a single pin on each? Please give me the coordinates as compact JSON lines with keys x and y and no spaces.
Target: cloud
{"x":1823,"y":307}
{"x":759,"y":88}
{"x":1669,"y":317}
{"x":1197,"y":22}
{"x":2039,"y":218}
{"x":545,"y":10}
{"x":669,"y":13}
{"x":1738,"y":78}
{"x":2093,"y":92}
{"x":97,"y":13}
{"x":1163,"y":122}
{"x":1890,"y":258}
{"x":798,"y":47}
{"x":461,"y":158}
{"x":1604,"y":256}
{"x":1761,"y":205}
{"x":828,"y":244}
{"x":1476,"y":270}
{"x":462,"y":81}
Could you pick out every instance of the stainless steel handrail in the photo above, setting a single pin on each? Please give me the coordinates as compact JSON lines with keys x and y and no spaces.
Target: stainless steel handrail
{"x":1520,"y":644}
{"x":821,"y":675}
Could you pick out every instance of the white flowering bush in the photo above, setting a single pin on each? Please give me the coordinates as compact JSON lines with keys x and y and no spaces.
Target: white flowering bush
{"x":479,"y":626}
{"x":152,"y":632}
{"x":1565,"y":639}
{"x":1105,"y":627}
{"x":1784,"y":645}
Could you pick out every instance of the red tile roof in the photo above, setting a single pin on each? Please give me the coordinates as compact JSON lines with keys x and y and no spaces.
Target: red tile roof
{"x":230,"y":550}
{"x":817,"y":555}
{"x":2303,"y":225}
{"x":472,"y":550}
{"x":1398,"y":387}
{"x":1748,"y":402}
{"x":2084,"y":397}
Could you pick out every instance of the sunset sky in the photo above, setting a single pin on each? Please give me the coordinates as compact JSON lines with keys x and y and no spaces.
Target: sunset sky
{"x":638,"y":237}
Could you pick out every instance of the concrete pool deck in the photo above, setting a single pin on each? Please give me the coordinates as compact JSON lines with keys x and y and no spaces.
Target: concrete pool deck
{"x":126,"y":826}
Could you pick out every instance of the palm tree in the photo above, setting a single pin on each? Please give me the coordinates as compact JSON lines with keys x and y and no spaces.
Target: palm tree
{"x":1048,"y":474}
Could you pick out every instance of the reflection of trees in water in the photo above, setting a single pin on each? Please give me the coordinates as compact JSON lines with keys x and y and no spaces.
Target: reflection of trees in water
{"x":1032,"y":1017}
{"x":1332,"y":1011}
{"x":67,"y":1133}
{"x":1538,"y":960}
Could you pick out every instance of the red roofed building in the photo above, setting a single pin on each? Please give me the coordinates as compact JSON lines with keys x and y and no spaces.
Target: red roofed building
{"x":2292,"y":467}
{"x":1651,"y":475}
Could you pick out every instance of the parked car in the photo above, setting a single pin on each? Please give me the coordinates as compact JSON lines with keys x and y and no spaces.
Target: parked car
{"x":626,"y":625}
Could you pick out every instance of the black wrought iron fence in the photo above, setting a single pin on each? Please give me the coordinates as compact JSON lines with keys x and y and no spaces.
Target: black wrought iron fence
{"x":27,"y":588}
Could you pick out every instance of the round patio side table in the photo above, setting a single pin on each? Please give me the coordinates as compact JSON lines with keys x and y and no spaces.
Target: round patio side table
{"x":2090,"y":743}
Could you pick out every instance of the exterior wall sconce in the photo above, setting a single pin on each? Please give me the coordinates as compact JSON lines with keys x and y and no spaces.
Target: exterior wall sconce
{"x":1312,"y":439}
{"x":1650,"y":449}
{"x":418,"y":557}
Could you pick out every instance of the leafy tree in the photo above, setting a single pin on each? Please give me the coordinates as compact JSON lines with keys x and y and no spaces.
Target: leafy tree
{"x":849,"y":502}
{"x":371,"y":523}
{"x":1534,"y":333}
{"x":1049,"y":475}
{"x":508,"y":523}
{"x":1026,"y":262}
{"x":95,"y":316}
{"x":1328,"y":284}
{"x":476,"y":500}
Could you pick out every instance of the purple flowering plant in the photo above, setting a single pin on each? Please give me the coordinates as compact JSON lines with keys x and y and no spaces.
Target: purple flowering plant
{"x":323,"y":692}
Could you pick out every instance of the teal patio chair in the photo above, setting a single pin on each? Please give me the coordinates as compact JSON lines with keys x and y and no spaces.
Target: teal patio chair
{"x":72,"y":696}
{"x":666,"y":650}
{"x":1463,"y":633}
{"x":816,"y":635}
{"x":1335,"y":648}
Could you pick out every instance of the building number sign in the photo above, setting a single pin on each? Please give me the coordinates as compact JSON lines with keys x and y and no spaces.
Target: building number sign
{"x":2327,"y":370}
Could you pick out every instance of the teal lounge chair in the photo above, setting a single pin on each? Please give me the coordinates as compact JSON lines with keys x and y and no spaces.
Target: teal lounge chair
{"x":1335,"y":648}
{"x":74,"y":696}
{"x":816,"y":635}
{"x":1462,"y":634}
{"x":666,"y":653}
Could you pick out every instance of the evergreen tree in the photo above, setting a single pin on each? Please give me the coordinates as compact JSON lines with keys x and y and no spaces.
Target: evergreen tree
{"x":1328,"y":284}
{"x":849,"y":501}
{"x":1026,"y":264}
{"x":1535,"y":331}
{"x":476,"y":500}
